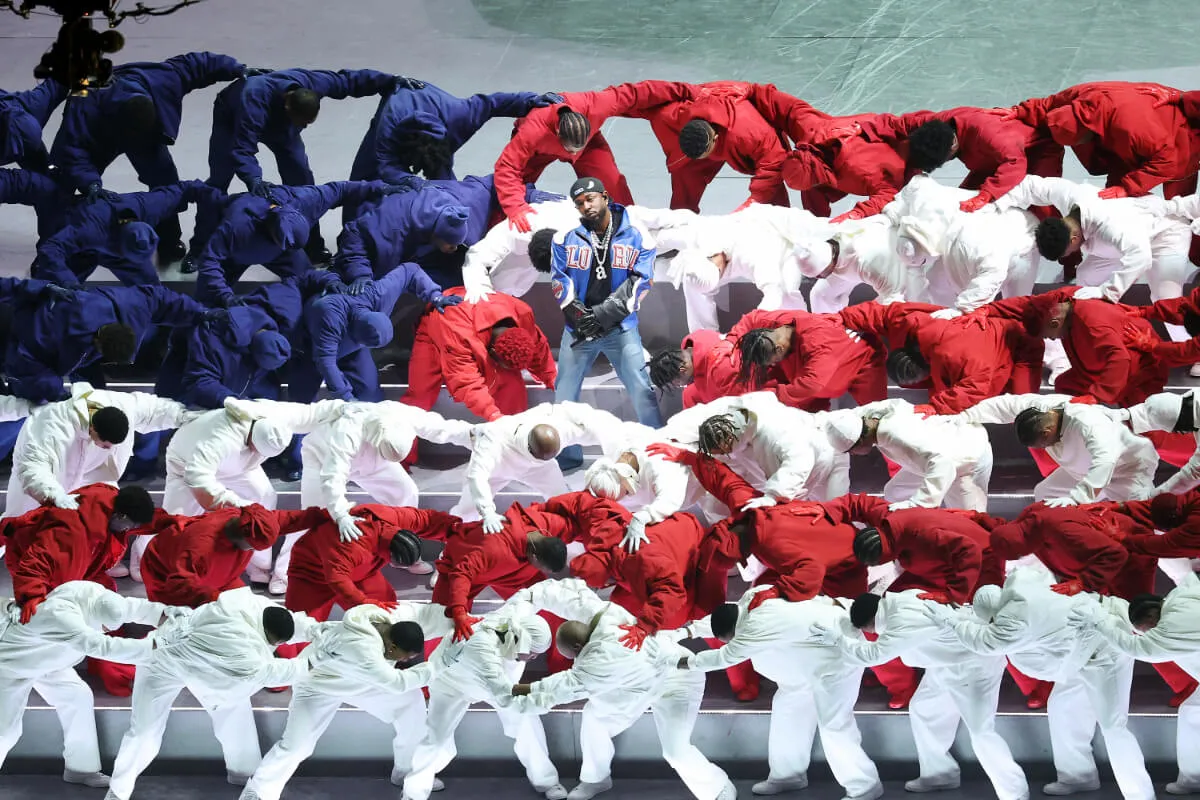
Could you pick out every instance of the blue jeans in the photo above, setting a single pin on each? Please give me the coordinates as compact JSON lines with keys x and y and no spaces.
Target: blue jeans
{"x":623,"y":349}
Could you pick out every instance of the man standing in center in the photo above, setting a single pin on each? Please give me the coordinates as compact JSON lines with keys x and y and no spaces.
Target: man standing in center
{"x":601,"y":271}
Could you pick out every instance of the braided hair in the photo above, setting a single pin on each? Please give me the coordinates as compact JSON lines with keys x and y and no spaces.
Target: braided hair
{"x":574,"y":130}
{"x":757,"y":349}
{"x":664,"y":368}
{"x":718,"y":434}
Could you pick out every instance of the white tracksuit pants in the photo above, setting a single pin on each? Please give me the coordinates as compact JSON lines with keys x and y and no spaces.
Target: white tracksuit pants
{"x":390,"y":485}
{"x":543,"y":477}
{"x":154,"y":692}
{"x":310,"y":714}
{"x":969,"y":693}
{"x":254,"y":486}
{"x":1120,"y":488}
{"x":1187,"y":738}
{"x":675,"y":713}
{"x":968,"y":490}
{"x":798,"y":712}
{"x":73,"y":702}
{"x":437,"y":749}
{"x":1097,"y":695}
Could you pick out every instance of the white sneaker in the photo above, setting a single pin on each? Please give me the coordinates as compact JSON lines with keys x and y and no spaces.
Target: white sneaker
{"x":554,"y":792}
{"x":420,"y":568}
{"x":728,"y":792}
{"x":780,"y":785}
{"x":111,"y":795}
{"x":94,"y":780}
{"x":1183,"y":787}
{"x":874,"y":793}
{"x":1061,"y":788}
{"x":119,"y":571}
{"x":934,"y":783}
{"x":398,"y":780}
{"x":257,"y":574}
{"x":249,"y":794}
{"x":234,"y":779}
{"x":586,"y":791}
{"x":277,"y":585}
{"x":1194,"y":371}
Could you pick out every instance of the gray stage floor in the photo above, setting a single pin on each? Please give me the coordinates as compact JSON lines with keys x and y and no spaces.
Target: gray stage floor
{"x":203,"y":788}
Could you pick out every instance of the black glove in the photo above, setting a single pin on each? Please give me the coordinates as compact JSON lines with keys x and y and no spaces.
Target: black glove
{"x":444,"y":301}
{"x":57,"y":292}
{"x":232,"y":301}
{"x":582,"y":321}
{"x":335,"y":286}
{"x":95,"y":191}
{"x":358,"y":286}
{"x":409,"y":183}
{"x":216,"y":314}
{"x":548,"y":99}
{"x":254,"y":72}
{"x":616,"y":307}
{"x":402,"y":82}
{"x":260,"y":188}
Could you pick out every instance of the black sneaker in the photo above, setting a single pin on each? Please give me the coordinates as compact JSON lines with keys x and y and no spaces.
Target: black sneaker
{"x":170,"y":252}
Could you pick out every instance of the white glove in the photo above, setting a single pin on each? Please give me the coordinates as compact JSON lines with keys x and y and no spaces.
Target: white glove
{"x":1085,"y":616}
{"x":1060,"y":502}
{"x":635,"y":535}
{"x":820,"y":634}
{"x":476,"y":294}
{"x":941,"y":615}
{"x":902,"y":505}
{"x":1090,"y":293}
{"x":493,"y":522}
{"x":68,"y":502}
{"x":348,"y":530}
{"x":227,"y":499}
{"x":766,"y":501}
{"x":946,"y":313}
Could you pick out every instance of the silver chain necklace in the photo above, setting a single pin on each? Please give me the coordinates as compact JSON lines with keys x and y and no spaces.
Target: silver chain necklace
{"x":600,"y":246}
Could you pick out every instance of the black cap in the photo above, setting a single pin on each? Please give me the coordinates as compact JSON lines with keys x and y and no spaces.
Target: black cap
{"x":585,"y":185}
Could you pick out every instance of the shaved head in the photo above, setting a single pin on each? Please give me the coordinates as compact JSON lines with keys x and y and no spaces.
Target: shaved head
{"x":544,"y":443}
{"x":571,"y":638}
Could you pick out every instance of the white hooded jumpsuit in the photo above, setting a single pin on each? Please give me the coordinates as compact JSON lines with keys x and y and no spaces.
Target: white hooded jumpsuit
{"x":55,"y":454}
{"x":483,"y":668}
{"x":41,"y":655}
{"x":347,"y":666}
{"x":221,"y":655}
{"x":816,"y":690}
{"x":957,"y":685}
{"x":1028,"y":623}
{"x":1098,"y":457}
{"x":620,"y":684}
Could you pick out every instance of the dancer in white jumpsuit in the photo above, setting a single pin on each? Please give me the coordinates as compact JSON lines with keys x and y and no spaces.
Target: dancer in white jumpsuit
{"x":354,"y":662}
{"x":366,"y":445}
{"x":223,"y":653}
{"x":648,"y":485}
{"x":499,"y":262}
{"x":857,"y":251}
{"x":944,"y":460}
{"x":216,"y":461}
{"x":1098,"y":457}
{"x":1170,"y":412}
{"x":41,"y":655}
{"x":1124,"y":240}
{"x":1165,"y":629}
{"x":817,"y":688}
{"x":1028,"y":622}
{"x":55,"y":452}
{"x":484,"y":668}
{"x":620,"y":684}
{"x":503,"y":453}
{"x":957,"y":685}
{"x":756,"y":245}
